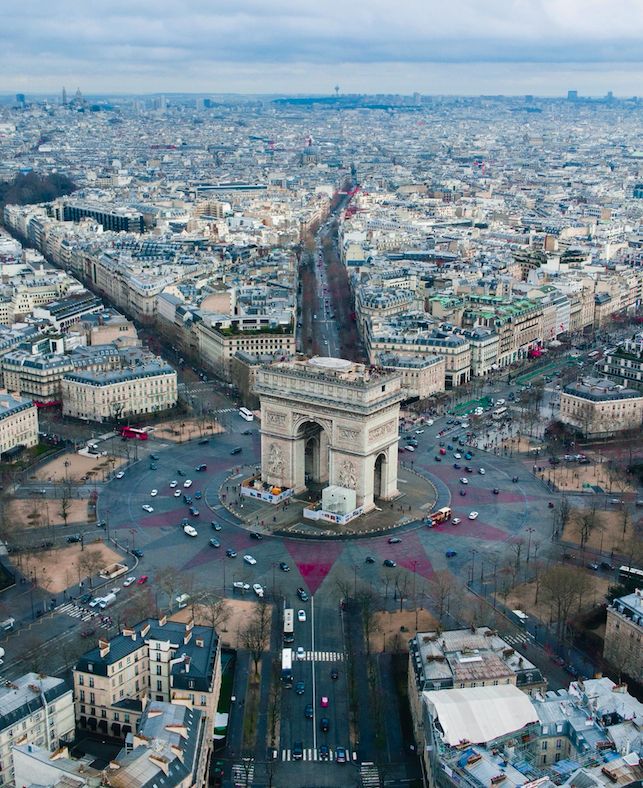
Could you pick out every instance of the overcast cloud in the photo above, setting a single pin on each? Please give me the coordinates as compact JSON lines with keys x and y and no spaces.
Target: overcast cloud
{"x":296,"y":46}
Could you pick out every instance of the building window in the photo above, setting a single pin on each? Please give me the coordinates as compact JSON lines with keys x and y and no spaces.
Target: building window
{"x":159,"y":686}
{"x":159,"y":670}
{"x":559,"y":743}
{"x":203,"y":700}
{"x":543,"y":745}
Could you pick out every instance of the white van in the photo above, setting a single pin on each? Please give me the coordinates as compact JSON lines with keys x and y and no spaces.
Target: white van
{"x":7,"y":624}
{"x":106,"y":601}
{"x":182,"y":600}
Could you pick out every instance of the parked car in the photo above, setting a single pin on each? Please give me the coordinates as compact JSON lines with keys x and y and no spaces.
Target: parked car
{"x":138,"y":553}
{"x":128,"y":581}
{"x":249,"y":560}
{"x":456,"y":521}
{"x":258,"y":589}
{"x":239,"y":585}
{"x":142,"y":580}
{"x":231,"y":553}
{"x":369,"y":559}
{"x":120,"y":474}
{"x":88,"y":632}
{"x":73,"y":538}
{"x":256,"y":535}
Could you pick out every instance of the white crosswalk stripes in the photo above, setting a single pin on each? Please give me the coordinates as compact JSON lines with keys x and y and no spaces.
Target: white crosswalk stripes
{"x":75,"y":611}
{"x":516,"y":640}
{"x":309,"y":754}
{"x":243,"y":773}
{"x":324,"y":656}
{"x":369,"y":776}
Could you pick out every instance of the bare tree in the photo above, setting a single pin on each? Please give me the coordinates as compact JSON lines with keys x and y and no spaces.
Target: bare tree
{"x":214,"y":609}
{"x":442,"y":587}
{"x":586,"y":522}
{"x":90,"y":562}
{"x":366,"y":602}
{"x":401,"y":588}
{"x":65,"y":501}
{"x":562,"y":586}
{"x":169,"y":580}
{"x":256,"y":635}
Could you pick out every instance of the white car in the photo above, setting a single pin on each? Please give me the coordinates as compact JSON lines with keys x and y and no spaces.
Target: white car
{"x":154,"y":493}
{"x":430,"y":423}
{"x":187,"y":483}
{"x":249,"y":560}
{"x":457,"y":456}
{"x":241,"y":586}
{"x":301,"y":652}
{"x":147,"y":508}
{"x":464,"y":480}
{"x":120,"y":474}
{"x":128,"y":582}
{"x":456,"y":521}
{"x":115,"y":590}
{"x":419,"y":432}
{"x":301,"y":616}
{"x":190,"y":530}
{"x":481,"y":471}
{"x":258,"y":589}
{"x":473,"y":515}
{"x":177,"y":493}
{"x":173,"y":483}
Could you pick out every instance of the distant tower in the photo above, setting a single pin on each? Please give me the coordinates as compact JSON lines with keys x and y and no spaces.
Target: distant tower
{"x":20,"y":99}
{"x":64,"y":96}
{"x":336,"y":90}
{"x":572,"y":95}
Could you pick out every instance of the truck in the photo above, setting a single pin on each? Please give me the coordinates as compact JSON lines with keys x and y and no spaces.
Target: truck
{"x":106,"y":601}
{"x":440,"y":516}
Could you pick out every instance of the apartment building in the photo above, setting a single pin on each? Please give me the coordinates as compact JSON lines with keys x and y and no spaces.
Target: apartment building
{"x":623,"y":645}
{"x":598,"y":407}
{"x":422,"y":376}
{"x":34,"y":709}
{"x":147,"y":387}
{"x":111,"y":217}
{"x":18,"y":424}
{"x":160,"y":660}
{"x":69,"y":311}
{"x":464,"y":658}
{"x":485,"y":350}
{"x":624,"y":364}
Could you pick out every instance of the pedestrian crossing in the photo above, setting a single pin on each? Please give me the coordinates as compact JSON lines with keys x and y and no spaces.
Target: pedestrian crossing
{"x":243,"y":773}
{"x":369,"y":776}
{"x":324,"y":656}
{"x":518,"y":640}
{"x":75,"y":611}
{"x":310,"y":754}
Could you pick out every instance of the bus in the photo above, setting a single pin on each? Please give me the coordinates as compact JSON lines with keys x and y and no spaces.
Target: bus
{"x":246,"y":414}
{"x":132,"y":432}
{"x":289,"y":625}
{"x":499,"y":413}
{"x":627,"y":573}
{"x":441,"y":516}
{"x":286,"y":666}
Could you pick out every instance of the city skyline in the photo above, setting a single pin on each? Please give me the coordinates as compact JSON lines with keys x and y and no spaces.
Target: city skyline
{"x":540,"y":48}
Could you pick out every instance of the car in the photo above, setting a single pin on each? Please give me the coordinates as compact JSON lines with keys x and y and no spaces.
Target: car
{"x":496,"y":491}
{"x":324,"y":724}
{"x":514,"y":479}
{"x":449,"y":447}
{"x":201,"y":468}
{"x":216,"y":525}
{"x":457,"y":466}
{"x":154,"y":493}
{"x":190,"y":530}
{"x":187,"y":499}
{"x":250,"y":560}
{"x":194,"y":511}
{"x":187,"y":483}
{"x":457,"y":456}
{"x":464,"y":480}
{"x":593,"y":565}
{"x":147,"y":508}
{"x":300,"y":688}
{"x":481,"y":471}
{"x":154,"y":457}
{"x":473,"y":515}
{"x":419,"y":432}
{"x":569,"y":556}
{"x":463,"y":491}
{"x":173,"y":483}
{"x":214,"y":542}
{"x":607,"y":566}
{"x":390,"y":563}
{"x":142,"y":580}
{"x":456,"y":521}
{"x":256,"y":535}
{"x":450,"y":553}
{"x":324,"y":752}
{"x":198,"y":495}
{"x":437,"y":458}
{"x":369,"y":559}
{"x":153,"y":466}
{"x":120,"y":474}
{"x":410,"y":448}
{"x":334,"y":674}
{"x":88,"y":632}
{"x":301,"y":616}
{"x":137,"y":553}
{"x":231,"y":553}
{"x":239,"y":585}
{"x":443,"y":452}
{"x":468,"y":469}
{"x":86,"y":598}
{"x":258,"y":589}
{"x":128,"y":581}
{"x":300,"y":653}
{"x":204,"y":441}
{"x":297,"y":750}
{"x":236,"y":450}
{"x":246,"y":432}
{"x":442,"y":443}
{"x":340,"y":755}
{"x":302,"y":594}
{"x":96,"y":602}
{"x":180,"y":472}
{"x":615,"y":501}
{"x":73,"y":538}
{"x":573,"y":671}
{"x":394,"y":540}
{"x":177,"y":493}
{"x":323,"y":702}
{"x":468,"y":456}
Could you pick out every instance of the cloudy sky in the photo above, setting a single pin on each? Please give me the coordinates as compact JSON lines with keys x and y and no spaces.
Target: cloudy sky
{"x":294,"y":46}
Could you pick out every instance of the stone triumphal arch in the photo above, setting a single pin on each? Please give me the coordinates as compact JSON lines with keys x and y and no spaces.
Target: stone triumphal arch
{"x":330,"y":421}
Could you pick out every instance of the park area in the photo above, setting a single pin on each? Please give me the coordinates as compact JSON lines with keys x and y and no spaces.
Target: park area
{"x":238,"y":612}
{"x":600,"y":530}
{"x":24,"y":513}
{"x":393,"y":629}
{"x":186,"y":430}
{"x":58,"y":569}
{"x":75,"y":467}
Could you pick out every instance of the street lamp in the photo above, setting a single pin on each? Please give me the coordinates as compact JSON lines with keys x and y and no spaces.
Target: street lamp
{"x":530,"y":531}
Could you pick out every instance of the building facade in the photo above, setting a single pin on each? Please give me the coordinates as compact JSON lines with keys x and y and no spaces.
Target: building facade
{"x":598,"y":407}
{"x":623,"y":645}
{"x":18,"y":423}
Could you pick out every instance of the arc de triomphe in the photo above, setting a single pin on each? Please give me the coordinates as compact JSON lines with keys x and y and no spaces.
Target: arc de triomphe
{"x":330,"y":420}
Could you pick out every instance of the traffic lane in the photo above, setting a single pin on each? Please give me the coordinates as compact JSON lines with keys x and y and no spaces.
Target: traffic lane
{"x":336,"y":711}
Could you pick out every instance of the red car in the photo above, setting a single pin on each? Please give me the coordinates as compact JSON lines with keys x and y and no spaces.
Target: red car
{"x":142,"y":579}
{"x":324,"y":702}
